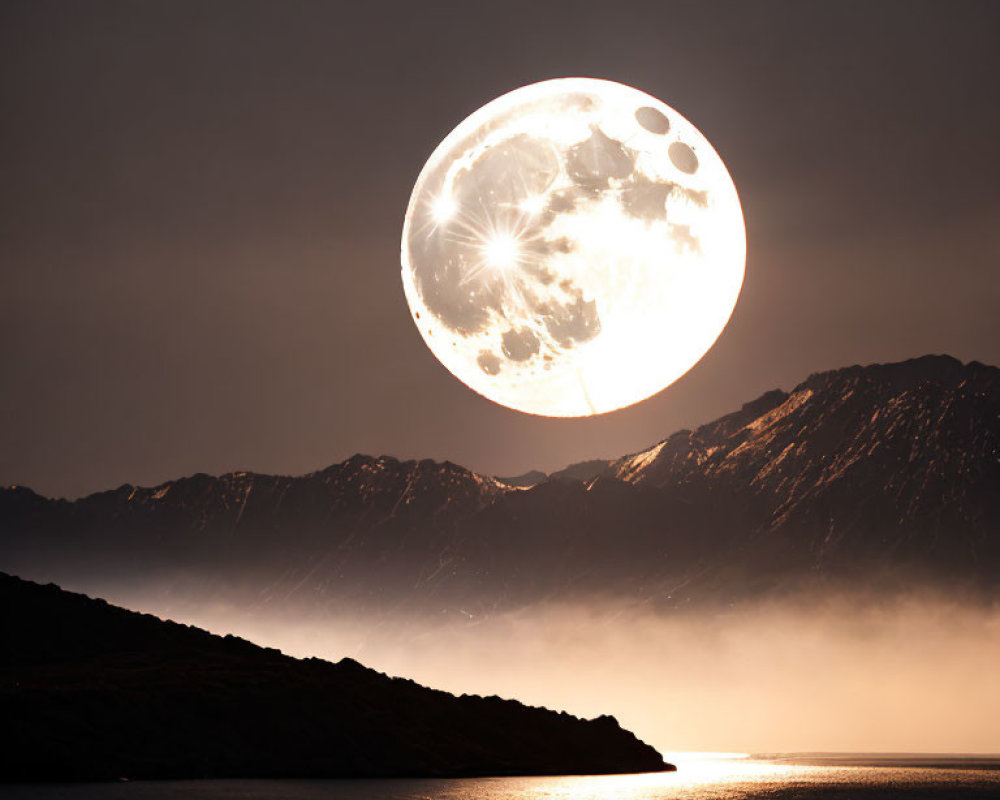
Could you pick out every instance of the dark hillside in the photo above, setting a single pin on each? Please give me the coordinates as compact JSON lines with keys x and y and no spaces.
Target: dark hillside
{"x":94,"y":692}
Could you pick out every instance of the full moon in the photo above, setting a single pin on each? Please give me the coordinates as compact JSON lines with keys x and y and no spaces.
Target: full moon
{"x":572,"y":247}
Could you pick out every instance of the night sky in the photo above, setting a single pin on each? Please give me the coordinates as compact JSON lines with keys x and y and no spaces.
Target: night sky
{"x":201,"y":205}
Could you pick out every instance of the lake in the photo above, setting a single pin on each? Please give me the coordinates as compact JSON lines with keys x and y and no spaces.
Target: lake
{"x":699,"y":777}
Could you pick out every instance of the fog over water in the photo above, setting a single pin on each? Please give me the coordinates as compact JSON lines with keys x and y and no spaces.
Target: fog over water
{"x":840,"y":673}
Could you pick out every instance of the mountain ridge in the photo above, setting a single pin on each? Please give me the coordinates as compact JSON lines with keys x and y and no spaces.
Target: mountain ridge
{"x":568,"y":471}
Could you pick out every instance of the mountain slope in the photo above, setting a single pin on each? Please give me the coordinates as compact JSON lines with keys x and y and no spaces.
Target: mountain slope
{"x":97,"y":692}
{"x":895,"y":461}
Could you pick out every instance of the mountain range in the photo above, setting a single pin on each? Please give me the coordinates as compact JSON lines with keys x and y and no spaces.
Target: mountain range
{"x":879,"y":477}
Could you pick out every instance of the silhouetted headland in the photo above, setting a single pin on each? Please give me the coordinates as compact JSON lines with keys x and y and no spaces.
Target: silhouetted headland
{"x":91,"y":691}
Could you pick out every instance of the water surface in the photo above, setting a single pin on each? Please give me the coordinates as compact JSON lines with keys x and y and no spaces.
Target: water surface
{"x":699,"y":777}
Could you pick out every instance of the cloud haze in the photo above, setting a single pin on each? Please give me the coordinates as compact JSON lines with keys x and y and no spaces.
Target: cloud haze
{"x":907,"y":674}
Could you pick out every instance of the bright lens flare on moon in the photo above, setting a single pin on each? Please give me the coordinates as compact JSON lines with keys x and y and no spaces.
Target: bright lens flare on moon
{"x":572,"y":248}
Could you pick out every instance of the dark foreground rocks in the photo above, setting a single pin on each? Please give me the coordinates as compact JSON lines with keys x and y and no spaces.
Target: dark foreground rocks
{"x":90,"y":691}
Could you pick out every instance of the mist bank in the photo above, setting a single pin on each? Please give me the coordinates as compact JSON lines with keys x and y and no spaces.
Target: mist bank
{"x":816,"y":672}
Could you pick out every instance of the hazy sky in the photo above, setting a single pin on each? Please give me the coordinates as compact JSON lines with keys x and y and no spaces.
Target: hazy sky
{"x":201,"y":203}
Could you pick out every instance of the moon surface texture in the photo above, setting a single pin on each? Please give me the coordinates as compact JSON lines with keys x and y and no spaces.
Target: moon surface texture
{"x":572,"y":247}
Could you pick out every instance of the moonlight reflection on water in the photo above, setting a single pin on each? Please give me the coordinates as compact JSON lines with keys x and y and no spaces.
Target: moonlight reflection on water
{"x":700,"y":776}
